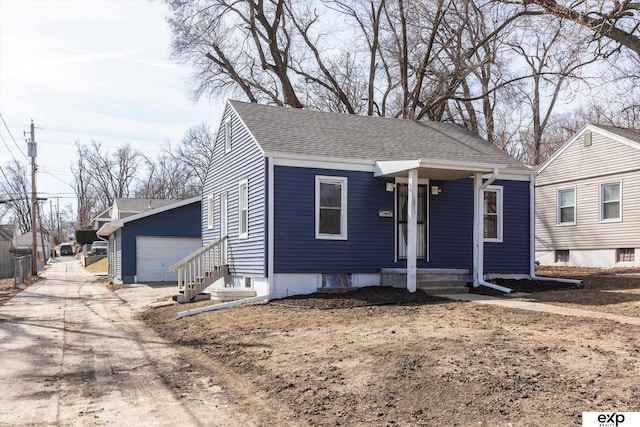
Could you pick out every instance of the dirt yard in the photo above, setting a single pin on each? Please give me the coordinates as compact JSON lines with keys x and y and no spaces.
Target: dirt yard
{"x":424,"y":362}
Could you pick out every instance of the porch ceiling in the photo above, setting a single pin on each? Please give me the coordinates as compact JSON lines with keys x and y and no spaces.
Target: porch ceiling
{"x":444,"y":171}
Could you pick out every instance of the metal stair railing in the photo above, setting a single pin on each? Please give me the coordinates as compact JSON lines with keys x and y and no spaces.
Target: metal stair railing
{"x":201,"y":268}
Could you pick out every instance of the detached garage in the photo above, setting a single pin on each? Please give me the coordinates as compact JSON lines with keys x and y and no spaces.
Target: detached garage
{"x":143,"y":246}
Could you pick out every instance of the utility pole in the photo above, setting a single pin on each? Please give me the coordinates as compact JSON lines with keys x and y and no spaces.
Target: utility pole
{"x":33,"y":153}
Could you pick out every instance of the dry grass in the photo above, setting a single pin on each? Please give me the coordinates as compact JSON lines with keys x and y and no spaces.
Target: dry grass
{"x":98,"y":267}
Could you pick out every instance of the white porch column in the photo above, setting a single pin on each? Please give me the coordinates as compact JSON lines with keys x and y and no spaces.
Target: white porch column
{"x":412,"y":230}
{"x":478,"y":227}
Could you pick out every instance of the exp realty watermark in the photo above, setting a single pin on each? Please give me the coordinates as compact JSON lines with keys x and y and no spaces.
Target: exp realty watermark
{"x":610,"y":419}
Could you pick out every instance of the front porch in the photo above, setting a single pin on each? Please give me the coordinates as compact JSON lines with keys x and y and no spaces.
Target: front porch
{"x":429,"y":280}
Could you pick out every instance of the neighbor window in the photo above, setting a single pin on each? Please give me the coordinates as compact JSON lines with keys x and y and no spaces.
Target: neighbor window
{"x":331,"y":207}
{"x":562,"y":256}
{"x":566,"y":206}
{"x":227,"y":135}
{"x":625,"y":255}
{"x":243,"y":208}
{"x":210,"y":211}
{"x":493,"y":214}
{"x":611,"y":201}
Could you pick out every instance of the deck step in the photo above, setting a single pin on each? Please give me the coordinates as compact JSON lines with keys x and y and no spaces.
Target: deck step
{"x":231,"y":294}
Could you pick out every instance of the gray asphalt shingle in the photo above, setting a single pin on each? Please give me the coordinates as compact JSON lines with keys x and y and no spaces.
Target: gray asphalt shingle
{"x":313,"y":133}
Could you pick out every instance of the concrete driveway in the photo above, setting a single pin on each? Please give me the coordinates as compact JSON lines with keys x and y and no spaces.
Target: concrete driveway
{"x":71,"y":353}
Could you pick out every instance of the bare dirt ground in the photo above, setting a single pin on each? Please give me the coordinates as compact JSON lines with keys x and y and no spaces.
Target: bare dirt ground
{"x":363,"y":359}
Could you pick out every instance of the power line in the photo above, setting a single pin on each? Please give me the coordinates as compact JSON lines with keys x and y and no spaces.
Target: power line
{"x":14,"y":140}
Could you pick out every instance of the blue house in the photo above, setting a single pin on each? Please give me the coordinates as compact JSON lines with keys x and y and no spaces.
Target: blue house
{"x":298,"y":200}
{"x":147,"y":236}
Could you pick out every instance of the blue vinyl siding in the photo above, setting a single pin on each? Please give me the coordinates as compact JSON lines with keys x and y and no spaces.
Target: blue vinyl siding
{"x":180,"y":222}
{"x":370,"y":238}
{"x":512,"y":255}
{"x":245,"y":161}
{"x":451,"y":228}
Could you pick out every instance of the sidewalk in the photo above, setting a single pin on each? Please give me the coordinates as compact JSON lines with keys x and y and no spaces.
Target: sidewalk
{"x":545,"y":308}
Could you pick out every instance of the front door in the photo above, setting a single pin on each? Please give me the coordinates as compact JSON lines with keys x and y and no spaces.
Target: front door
{"x":401,"y":221}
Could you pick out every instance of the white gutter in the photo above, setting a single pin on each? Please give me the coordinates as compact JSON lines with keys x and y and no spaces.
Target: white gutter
{"x":478,"y":274}
{"x":270,"y":244}
{"x":532,"y":243}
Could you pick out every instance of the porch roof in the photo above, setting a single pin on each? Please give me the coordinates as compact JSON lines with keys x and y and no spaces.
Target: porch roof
{"x":429,"y":169}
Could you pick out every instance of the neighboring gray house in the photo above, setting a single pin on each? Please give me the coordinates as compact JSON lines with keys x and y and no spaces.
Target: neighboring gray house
{"x":6,"y":257}
{"x":588,"y":200}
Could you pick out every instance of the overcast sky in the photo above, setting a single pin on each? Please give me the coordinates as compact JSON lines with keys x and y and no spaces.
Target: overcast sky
{"x":90,"y":70}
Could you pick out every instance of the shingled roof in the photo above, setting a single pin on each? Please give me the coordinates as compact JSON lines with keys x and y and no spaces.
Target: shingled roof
{"x":141,"y":205}
{"x":281,"y":130}
{"x":630,"y":134}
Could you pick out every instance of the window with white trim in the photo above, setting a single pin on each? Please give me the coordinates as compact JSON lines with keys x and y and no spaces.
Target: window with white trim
{"x":492,"y":214}
{"x":331,"y":207}
{"x":227,"y":135}
{"x":611,"y":201}
{"x":210,"y":211}
{"x":243,"y":209}
{"x":566,"y":202}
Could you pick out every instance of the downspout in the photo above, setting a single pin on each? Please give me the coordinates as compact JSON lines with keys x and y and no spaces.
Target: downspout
{"x":270,"y":244}
{"x":478,"y":277}
{"x":532,"y":242}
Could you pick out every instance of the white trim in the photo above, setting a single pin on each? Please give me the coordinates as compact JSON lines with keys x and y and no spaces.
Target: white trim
{"x":224,"y":221}
{"x":210,"y":208}
{"x":227,"y":134}
{"x":511,"y":175}
{"x":112,"y":226}
{"x":343,"y":206}
{"x":499,"y":190}
{"x":601,"y":202}
{"x":243,"y":183}
{"x":559,"y":223}
{"x":270,"y":228}
{"x":325,"y":163}
{"x":577,"y":137}
{"x":246,"y":128}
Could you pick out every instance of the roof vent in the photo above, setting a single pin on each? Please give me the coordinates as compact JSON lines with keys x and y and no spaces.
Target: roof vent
{"x":587,"y":139}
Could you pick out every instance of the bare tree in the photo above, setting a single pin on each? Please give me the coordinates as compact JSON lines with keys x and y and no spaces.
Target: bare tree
{"x":102,"y":177}
{"x":17,"y":190}
{"x":195,"y":150}
{"x":162,"y":182}
{"x":614,"y":20}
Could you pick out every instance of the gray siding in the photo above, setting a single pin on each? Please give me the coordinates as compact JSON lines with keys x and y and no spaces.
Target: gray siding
{"x":226,"y":170}
{"x":585,"y":168}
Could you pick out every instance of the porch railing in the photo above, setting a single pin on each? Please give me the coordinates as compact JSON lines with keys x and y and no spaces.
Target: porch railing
{"x":201,"y":268}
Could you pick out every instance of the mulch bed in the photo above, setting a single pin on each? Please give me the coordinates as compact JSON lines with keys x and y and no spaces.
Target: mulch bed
{"x":524,"y":285}
{"x":360,"y":297}
{"x":386,"y":295}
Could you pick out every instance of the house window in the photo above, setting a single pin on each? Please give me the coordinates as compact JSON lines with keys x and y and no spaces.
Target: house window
{"x":625,"y":255}
{"x":566,"y":206}
{"x":331,"y":207}
{"x":493,"y":214}
{"x":611,"y":201}
{"x":227,"y":135}
{"x":210,"y":211}
{"x":243,"y":209}
{"x":562,"y":256}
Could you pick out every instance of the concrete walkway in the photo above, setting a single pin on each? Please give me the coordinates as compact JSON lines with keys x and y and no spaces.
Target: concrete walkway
{"x":545,"y":308}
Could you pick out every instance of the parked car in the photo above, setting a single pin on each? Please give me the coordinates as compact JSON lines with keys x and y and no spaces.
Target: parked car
{"x":66,"y":249}
{"x":99,"y":247}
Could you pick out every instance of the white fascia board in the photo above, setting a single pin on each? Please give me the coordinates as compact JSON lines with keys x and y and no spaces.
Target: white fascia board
{"x":109,"y":228}
{"x":392,"y":167}
{"x":161,"y":209}
{"x":574,"y":138}
{"x":333,"y":163}
{"x":246,"y":127}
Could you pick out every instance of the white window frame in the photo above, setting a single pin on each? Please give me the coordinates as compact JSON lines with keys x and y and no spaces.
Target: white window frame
{"x":559,"y":207}
{"x":210,"y":208}
{"x":601,"y":202}
{"x":343,"y":182}
{"x":499,"y":213}
{"x":227,"y":135}
{"x":243,"y":208}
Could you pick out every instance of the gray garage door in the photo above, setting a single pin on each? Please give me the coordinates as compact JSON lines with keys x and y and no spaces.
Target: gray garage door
{"x":156,"y":254}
